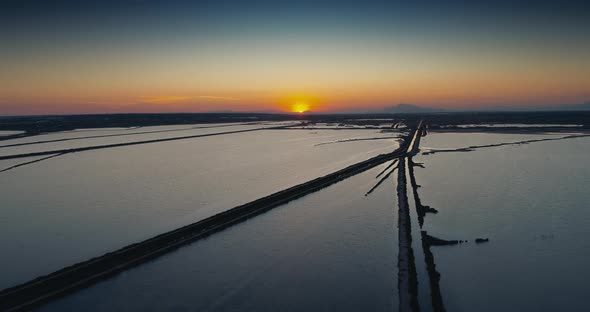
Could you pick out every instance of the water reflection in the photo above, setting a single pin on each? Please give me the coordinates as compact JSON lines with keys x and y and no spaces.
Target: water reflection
{"x":531,"y":202}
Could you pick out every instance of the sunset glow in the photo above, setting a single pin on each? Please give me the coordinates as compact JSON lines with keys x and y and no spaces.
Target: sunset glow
{"x":300,"y":107}
{"x":58,"y":58}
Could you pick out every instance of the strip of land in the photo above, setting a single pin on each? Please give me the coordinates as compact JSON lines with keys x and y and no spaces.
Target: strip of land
{"x":407,"y":277}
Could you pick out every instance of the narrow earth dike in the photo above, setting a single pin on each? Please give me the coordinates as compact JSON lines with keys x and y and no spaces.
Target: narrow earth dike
{"x":407,"y":277}
{"x":83,"y":274}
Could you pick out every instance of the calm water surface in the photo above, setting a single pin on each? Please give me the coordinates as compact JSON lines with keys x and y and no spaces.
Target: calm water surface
{"x":76,"y":206}
{"x":120,"y":136}
{"x":81,"y":133}
{"x":460,"y":140}
{"x":532,"y":202}
{"x":334,"y":250}
{"x":331,"y":250}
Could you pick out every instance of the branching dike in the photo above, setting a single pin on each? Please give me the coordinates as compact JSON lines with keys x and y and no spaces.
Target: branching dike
{"x":83,"y":274}
{"x":407,"y":276}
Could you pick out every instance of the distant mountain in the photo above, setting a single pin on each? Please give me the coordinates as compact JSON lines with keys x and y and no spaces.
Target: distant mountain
{"x":409,"y":108}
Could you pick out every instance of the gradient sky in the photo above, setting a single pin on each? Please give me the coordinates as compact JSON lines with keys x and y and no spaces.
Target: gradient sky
{"x":108,"y":56}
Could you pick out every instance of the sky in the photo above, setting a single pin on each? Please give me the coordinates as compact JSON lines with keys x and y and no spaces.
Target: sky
{"x":71,"y":57}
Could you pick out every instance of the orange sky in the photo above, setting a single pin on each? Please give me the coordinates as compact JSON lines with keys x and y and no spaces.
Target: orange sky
{"x":356,"y":59}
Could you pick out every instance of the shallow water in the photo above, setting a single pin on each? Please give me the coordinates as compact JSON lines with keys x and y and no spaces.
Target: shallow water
{"x":7,"y":163}
{"x":531,"y":201}
{"x":8,"y":132}
{"x":121,"y":136}
{"x":443,"y":140}
{"x":76,"y":206}
{"x":333,"y":250}
{"x":81,"y":133}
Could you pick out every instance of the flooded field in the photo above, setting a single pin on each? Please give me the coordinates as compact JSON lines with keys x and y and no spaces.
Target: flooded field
{"x":298,"y":156}
{"x":73,"y":207}
{"x":9,"y":133}
{"x":84,"y":138}
{"x":531,"y":201}
{"x":496,"y":222}
{"x":443,"y":141}
{"x":93,"y":132}
{"x":334,"y":250}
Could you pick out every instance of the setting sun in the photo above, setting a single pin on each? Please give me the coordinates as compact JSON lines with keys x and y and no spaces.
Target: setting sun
{"x":300,"y":107}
